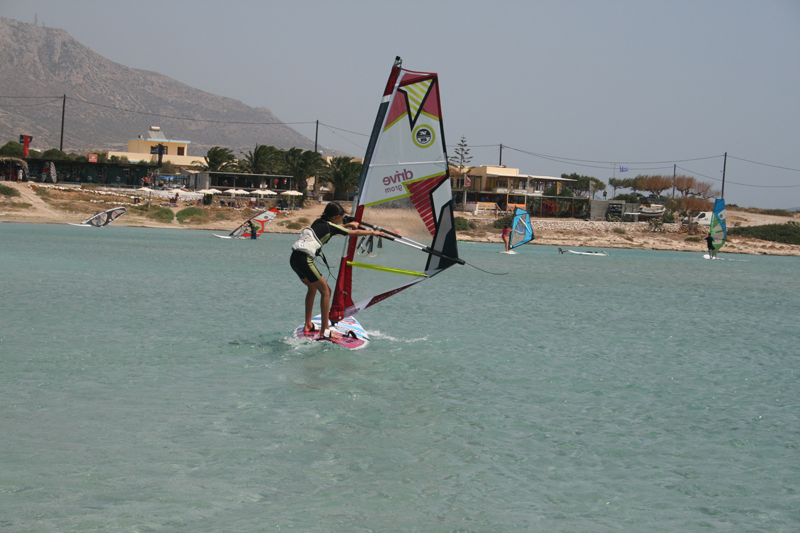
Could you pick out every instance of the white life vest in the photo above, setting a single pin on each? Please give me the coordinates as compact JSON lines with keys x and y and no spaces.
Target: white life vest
{"x":308,"y":243}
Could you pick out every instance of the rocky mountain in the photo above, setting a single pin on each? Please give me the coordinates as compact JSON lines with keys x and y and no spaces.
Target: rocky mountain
{"x":36,"y":61}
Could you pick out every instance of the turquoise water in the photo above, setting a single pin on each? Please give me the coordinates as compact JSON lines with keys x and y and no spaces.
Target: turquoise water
{"x":147,"y":384}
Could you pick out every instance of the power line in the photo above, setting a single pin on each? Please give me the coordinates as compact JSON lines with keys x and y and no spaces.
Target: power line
{"x":335,"y":128}
{"x":331,"y":128}
{"x":741,"y":184}
{"x":32,"y":105}
{"x":558,"y":159}
{"x":613,"y":163}
{"x":763,"y":164}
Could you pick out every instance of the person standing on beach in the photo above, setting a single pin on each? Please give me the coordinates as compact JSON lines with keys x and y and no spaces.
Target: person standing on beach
{"x":307,"y":247}
{"x":712,"y":252}
{"x":506,"y":232}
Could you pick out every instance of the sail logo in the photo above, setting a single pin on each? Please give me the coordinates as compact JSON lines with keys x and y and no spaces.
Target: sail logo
{"x":395,"y":183}
{"x":424,"y":136}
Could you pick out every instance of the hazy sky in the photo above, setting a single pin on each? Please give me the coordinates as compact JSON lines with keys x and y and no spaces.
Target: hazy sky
{"x":565,"y":86}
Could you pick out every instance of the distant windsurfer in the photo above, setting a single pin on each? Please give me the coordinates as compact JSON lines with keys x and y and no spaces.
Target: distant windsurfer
{"x":506,"y":232}
{"x":307,"y":247}
{"x":712,"y":252}
{"x":253,"y":230}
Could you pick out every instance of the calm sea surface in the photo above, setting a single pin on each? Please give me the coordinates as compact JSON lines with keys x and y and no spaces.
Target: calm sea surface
{"x":147,"y":383}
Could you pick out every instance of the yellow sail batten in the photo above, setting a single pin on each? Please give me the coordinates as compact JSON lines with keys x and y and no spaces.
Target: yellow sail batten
{"x":387,"y":269}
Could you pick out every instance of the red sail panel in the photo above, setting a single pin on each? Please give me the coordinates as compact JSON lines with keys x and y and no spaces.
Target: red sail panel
{"x":398,"y":110}
{"x":421,"y":198}
{"x":342,"y":295}
{"x":431,"y":106}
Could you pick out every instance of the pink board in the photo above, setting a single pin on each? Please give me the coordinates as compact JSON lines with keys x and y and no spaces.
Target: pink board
{"x":348,"y":333}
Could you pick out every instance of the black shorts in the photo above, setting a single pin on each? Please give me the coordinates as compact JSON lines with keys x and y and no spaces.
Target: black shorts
{"x":303,"y":265}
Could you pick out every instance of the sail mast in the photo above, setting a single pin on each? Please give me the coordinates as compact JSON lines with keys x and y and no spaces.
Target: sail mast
{"x":342,"y":298}
{"x":376,"y":130}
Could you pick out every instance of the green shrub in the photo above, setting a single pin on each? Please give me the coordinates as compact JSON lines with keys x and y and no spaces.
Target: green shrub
{"x":692,"y":239}
{"x":462,"y":224}
{"x":782,"y":233}
{"x":294,"y":225}
{"x":162,"y":214}
{"x":208,"y":199}
{"x":5,"y":190}
{"x":629,"y":198}
{"x":191,"y":214}
{"x":619,"y":230}
{"x":668,"y":217}
{"x":776,"y":212}
{"x":656,"y":225}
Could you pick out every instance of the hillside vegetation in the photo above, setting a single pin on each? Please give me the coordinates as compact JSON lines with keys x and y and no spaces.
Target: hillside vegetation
{"x":782,"y":233}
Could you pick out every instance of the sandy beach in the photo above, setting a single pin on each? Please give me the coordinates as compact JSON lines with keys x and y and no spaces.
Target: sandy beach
{"x":54,"y":205}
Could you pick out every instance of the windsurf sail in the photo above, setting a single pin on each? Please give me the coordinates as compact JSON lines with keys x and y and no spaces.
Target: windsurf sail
{"x":719,"y":229}
{"x":105,"y":218}
{"x":403,"y":190}
{"x":522,"y":231}
{"x":261,"y":221}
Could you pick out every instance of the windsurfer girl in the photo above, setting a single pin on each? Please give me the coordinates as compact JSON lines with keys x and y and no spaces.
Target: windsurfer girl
{"x":506,"y":233}
{"x":308,"y":246}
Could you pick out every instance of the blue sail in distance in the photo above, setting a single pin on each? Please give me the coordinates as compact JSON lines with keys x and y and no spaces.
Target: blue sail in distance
{"x":522,"y":231}
{"x":719,"y":226}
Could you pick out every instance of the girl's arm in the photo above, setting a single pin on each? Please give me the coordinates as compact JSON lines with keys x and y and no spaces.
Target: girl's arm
{"x":359,"y":232}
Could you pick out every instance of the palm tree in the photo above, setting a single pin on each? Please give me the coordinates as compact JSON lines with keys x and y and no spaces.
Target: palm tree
{"x":302,"y":164}
{"x":262,"y":160}
{"x":342,"y":173}
{"x":218,"y":159}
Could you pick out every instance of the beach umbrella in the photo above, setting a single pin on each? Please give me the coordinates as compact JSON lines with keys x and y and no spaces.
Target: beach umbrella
{"x":291,"y":193}
{"x":213,"y":191}
{"x":265,"y":192}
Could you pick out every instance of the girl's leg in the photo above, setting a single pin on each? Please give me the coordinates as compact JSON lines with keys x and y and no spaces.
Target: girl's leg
{"x":310,"y":296}
{"x":325,"y":302}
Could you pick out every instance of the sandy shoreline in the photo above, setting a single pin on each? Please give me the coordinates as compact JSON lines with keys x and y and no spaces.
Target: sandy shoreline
{"x":557,"y":232}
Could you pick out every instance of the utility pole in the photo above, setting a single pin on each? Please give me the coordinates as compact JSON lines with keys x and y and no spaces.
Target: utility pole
{"x":501,"y":156}
{"x":63,"y":109}
{"x":724,"y":164}
{"x":316,"y":179}
{"x":674,"y":167}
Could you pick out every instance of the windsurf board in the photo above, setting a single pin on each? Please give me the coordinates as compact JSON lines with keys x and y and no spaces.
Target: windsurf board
{"x":347,"y":333}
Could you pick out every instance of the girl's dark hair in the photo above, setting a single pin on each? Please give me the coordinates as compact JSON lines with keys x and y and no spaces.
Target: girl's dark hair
{"x":333,"y":209}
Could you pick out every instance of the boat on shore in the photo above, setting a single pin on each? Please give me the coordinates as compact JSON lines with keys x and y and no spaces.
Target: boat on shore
{"x":651,"y":211}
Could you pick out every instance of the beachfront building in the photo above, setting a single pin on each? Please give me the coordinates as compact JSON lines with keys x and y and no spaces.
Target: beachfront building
{"x":74,"y":172}
{"x":224,"y":181}
{"x":499,"y":188}
{"x":146,"y":149}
